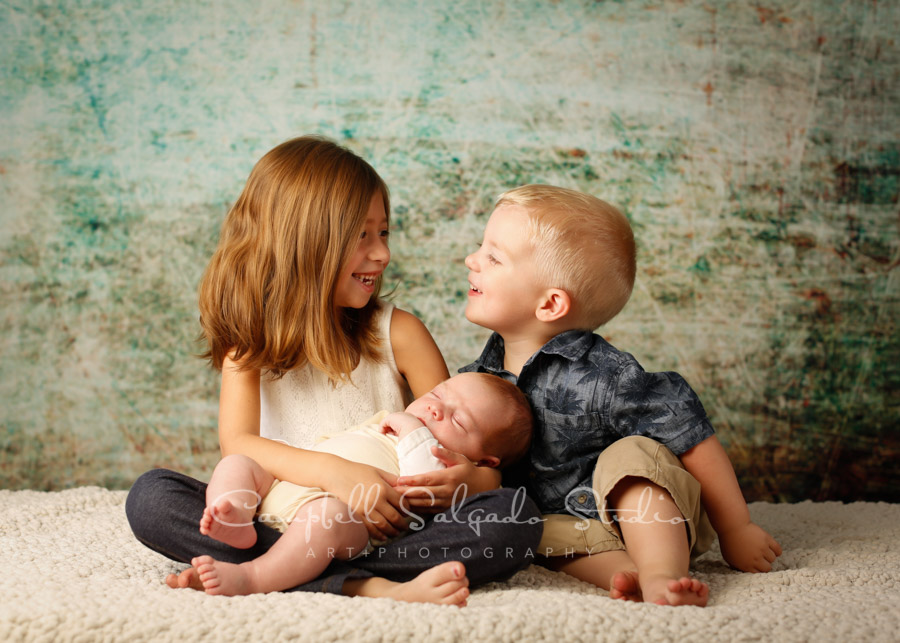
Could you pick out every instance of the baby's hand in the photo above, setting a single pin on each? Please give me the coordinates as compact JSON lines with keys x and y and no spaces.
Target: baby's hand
{"x":749,"y":548}
{"x":401,"y":424}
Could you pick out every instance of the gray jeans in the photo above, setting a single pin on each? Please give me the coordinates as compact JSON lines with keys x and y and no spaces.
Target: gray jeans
{"x":494,"y":534}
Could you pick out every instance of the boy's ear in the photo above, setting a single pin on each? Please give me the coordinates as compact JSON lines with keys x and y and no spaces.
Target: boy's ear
{"x":555,"y":305}
{"x":491,"y":461}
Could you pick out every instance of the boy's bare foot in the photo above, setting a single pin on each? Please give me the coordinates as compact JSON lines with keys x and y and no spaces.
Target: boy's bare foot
{"x":232,"y":525}
{"x":660,"y":590}
{"x":625,"y":586}
{"x":445,"y":584}
{"x":186,"y":579}
{"x":222,"y":579}
{"x":663,"y":590}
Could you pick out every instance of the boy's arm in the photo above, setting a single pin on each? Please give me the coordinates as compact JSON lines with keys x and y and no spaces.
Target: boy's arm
{"x":745,"y":545}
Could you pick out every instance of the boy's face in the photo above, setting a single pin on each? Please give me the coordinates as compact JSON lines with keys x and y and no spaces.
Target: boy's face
{"x":460,"y":412}
{"x":504,"y":289}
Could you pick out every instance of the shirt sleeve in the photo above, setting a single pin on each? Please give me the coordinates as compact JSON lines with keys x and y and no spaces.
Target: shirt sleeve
{"x":661,"y":406}
{"x":414,"y":453}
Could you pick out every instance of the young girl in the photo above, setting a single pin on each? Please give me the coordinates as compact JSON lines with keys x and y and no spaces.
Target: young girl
{"x":291,"y":315}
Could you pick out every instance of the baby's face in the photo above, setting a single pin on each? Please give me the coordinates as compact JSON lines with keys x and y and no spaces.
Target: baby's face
{"x":459,"y":413}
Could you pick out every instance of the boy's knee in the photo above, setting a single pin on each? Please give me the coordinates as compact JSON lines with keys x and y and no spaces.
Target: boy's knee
{"x":633,"y":446}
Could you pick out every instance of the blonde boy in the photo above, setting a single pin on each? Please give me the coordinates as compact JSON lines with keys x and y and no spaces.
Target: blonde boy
{"x":623,"y":512}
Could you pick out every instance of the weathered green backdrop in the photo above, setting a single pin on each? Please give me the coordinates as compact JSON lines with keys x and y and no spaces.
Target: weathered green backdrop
{"x":755,"y":147}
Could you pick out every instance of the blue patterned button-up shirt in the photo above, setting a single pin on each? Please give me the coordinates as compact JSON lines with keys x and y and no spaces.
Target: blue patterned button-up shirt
{"x":585,"y":395}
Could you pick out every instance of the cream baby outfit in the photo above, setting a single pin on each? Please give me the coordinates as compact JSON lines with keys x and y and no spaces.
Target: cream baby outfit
{"x":365,"y":444}
{"x":302,"y":406}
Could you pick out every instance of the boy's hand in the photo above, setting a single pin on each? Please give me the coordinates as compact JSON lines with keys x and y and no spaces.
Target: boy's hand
{"x":401,"y":424}
{"x":749,"y":548}
{"x":434,"y":491}
{"x":369,"y":494}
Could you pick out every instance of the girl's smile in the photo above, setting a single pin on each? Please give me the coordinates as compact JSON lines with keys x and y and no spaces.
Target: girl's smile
{"x":367,"y":281}
{"x":357,"y":282}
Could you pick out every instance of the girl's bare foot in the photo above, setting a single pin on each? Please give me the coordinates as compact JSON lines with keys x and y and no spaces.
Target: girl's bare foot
{"x":445,"y":584}
{"x":186,"y":579}
{"x":230,"y":524}
{"x":663,"y":590}
{"x":222,"y":579}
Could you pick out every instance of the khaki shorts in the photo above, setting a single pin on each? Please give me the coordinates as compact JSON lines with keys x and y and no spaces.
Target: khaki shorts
{"x":568,"y":535}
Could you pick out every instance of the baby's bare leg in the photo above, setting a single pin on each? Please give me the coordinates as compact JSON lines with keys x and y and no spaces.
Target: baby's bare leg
{"x":445,"y":584}
{"x":323,"y":529}
{"x":655,"y":537}
{"x":238,"y":484}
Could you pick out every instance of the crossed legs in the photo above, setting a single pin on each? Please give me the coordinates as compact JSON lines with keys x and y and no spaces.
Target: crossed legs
{"x":322,"y":530}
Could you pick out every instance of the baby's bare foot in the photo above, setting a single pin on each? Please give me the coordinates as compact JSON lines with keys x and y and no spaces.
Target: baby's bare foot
{"x":625,"y":586}
{"x":218,"y":578}
{"x":186,"y":579}
{"x":668,"y":591}
{"x":232,"y":525}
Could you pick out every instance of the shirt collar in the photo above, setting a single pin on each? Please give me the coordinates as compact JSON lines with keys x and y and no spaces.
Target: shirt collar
{"x":491,"y":357}
{"x":571,"y":345}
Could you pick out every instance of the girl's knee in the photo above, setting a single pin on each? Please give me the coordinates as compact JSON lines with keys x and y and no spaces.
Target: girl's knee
{"x":509,"y":515}
{"x":146,"y":486}
{"x":142,"y":495}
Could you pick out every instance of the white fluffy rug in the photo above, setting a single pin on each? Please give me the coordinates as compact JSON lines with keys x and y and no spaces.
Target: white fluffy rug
{"x":71,"y":570}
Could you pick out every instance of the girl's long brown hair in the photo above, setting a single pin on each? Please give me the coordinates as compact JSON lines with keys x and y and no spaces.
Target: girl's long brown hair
{"x":267,"y":297}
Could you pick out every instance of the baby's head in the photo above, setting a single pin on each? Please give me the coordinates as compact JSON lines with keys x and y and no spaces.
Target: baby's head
{"x":570,"y":241}
{"x":481,"y":416}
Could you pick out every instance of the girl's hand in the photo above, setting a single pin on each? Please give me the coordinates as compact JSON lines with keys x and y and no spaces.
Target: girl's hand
{"x":369,"y":494}
{"x":749,"y":548}
{"x":436,"y":491}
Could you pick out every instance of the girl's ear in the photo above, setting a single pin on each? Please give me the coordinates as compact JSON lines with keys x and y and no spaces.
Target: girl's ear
{"x":555,"y":305}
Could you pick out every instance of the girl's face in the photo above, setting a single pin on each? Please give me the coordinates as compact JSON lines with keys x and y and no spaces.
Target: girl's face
{"x":356,"y":283}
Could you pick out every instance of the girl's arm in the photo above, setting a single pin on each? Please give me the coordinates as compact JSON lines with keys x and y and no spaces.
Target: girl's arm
{"x":418,"y":357}
{"x":419,"y":360}
{"x":239,"y":433}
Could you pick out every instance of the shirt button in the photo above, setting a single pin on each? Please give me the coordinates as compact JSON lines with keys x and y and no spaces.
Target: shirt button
{"x":581,"y":499}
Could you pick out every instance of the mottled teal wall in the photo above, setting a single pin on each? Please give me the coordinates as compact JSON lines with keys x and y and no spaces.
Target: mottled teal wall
{"x":756,"y":148}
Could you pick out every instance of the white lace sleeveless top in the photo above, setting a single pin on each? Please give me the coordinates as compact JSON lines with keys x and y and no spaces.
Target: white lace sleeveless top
{"x":303,"y":405}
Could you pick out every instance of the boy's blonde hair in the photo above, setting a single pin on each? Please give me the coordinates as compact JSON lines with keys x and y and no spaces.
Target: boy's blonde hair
{"x":582,"y":245}
{"x":509,"y":441}
{"x":267,"y":297}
